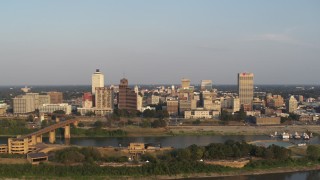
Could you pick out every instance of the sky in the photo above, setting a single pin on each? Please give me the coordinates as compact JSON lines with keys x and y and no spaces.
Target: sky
{"x":45,"y":42}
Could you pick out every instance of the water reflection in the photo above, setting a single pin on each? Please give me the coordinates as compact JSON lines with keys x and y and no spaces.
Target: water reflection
{"x":170,"y":141}
{"x":307,"y":175}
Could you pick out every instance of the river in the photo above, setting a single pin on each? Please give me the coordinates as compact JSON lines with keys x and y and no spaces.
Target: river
{"x":166,"y":141}
{"x":305,"y":175}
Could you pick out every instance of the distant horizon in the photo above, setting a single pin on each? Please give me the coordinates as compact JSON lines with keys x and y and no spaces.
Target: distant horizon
{"x":89,"y":85}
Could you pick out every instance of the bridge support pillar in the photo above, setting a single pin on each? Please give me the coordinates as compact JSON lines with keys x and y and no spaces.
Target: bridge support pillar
{"x":39,"y":139}
{"x":67,"y":132}
{"x":76,"y":123}
{"x":34,"y":140}
{"x":52,"y":136}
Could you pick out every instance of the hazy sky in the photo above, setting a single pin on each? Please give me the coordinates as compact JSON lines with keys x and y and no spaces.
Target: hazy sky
{"x":63,"y":41}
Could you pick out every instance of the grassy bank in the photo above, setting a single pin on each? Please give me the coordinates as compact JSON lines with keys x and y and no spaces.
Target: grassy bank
{"x":149,"y":171}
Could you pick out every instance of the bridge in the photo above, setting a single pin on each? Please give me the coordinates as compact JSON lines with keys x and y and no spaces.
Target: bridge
{"x":36,"y":137}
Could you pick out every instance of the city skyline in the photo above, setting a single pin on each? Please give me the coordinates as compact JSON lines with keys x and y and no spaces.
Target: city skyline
{"x":160,"y":42}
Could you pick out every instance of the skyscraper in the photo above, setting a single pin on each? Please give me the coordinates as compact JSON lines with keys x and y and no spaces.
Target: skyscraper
{"x":206,"y":85}
{"x":55,"y":97}
{"x":127,"y":98}
{"x":104,"y":101}
{"x":292,"y":104}
{"x":185,"y":83}
{"x":245,"y":89}
{"x":97,"y":80}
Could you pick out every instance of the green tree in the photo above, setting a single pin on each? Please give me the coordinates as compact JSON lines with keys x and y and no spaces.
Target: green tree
{"x":313,"y":152}
{"x":98,"y":124}
{"x":30,"y":118}
{"x":90,"y":113}
{"x":59,"y":112}
{"x":149,"y":113}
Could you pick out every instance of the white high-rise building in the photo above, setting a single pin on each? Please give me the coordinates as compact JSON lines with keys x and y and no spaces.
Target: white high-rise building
{"x":292,"y":104}
{"x":97,"y":80}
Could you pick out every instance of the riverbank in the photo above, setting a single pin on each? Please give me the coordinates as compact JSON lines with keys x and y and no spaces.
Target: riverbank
{"x":242,"y":172}
{"x":134,"y":131}
{"x":241,"y":130}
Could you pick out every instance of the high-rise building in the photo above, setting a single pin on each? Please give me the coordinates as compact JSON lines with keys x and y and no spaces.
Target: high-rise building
{"x":153,"y":99}
{"x":206,"y":85}
{"x":55,"y":97}
{"x":245,"y":89}
{"x":87,"y":100}
{"x":97,"y":80}
{"x":173,"y":107}
{"x":185,"y":83}
{"x":44,"y":99}
{"x":139,"y":102}
{"x":104,"y":101}
{"x":127,"y":98}
{"x":292,"y":104}
{"x":23,"y":104}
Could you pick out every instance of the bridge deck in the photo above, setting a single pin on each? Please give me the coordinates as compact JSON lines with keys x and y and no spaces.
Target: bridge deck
{"x":49,"y":128}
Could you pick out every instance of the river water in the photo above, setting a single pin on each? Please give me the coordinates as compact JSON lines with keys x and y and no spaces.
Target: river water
{"x":166,"y":141}
{"x":306,"y":175}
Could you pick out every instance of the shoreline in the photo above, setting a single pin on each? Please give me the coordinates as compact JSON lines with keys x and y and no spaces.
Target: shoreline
{"x":253,"y":172}
{"x":228,"y":130}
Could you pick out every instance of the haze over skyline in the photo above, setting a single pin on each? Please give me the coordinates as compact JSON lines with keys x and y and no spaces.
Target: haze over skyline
{"x":159,"y":42}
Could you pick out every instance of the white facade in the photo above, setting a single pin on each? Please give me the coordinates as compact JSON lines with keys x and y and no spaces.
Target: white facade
{"x":97,"y":80}
{"x":292,"y":104}
{"x":235,"y":104}
{"x":200,"y":114}
{"x":139,"y":102}
{"x":23,"y":104}
{"x":50,"y":108}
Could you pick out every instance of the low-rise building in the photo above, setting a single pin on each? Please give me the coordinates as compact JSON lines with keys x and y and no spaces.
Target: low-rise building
{"x":200,"y":114}
{"x":50,"y":108}
{"x":267,"y":120}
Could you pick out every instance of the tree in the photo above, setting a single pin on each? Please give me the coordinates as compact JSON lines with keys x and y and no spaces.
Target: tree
{"x":30,"y":118}
{"x":80,"y":124}
{"x":196,"y":122}
{"x":90,"y":113}
{"x":98,"y":124}
{"x":59,"y":112}
{"x":242,"y":114}
{"x":313,"y":152}
{"x":149,"y":113}
{"x":145,"y":123}
{"x":158,"y":123}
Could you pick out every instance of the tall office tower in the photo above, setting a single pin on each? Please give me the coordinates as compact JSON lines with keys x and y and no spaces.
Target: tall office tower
{"x":185,"y":83}
{"x":292,"y":104}
{"x":97,"y":80}
{"x":127,"y":98}
{"x":139,"y":102}
{"x":23,"y":104}
{"x":104,"y":101}
{"x":206,"y":85}
{"x":173,"y":107}
{"x":136,"y":89}
{"x":55,"y":97}
{"x":245,"y":89}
